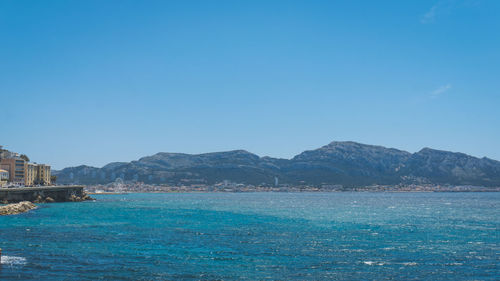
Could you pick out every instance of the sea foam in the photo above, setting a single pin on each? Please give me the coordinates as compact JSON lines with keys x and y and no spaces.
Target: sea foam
{"x":11,"y":260}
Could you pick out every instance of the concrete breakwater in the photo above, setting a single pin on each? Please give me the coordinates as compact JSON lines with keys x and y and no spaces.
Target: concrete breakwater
{"x":44,"y":194}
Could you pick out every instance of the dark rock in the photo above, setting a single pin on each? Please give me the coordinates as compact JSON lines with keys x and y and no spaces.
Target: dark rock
{"x":39,"y":199}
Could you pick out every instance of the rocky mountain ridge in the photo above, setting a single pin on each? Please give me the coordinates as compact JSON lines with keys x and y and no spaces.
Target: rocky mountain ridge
{"x":339,"y":163}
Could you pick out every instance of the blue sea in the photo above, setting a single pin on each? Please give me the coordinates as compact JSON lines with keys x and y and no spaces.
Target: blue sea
{"x":257,"y":236}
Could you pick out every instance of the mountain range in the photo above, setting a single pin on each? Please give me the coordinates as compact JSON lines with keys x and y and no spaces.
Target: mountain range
{"x":348,"y":164}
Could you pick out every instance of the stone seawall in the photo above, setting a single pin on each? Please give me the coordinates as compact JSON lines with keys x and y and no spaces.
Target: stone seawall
{"x":43,"y":194}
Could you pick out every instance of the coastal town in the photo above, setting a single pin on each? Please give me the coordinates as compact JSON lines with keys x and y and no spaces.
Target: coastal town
{"x":16,"y":170}
{"x":23,"y":183}
{"x":120,"y":186}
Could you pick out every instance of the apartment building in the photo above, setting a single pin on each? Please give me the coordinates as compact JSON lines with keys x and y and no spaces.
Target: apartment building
{"x":16,"y":169}
{"x":31,"y":174}
{"x":23,"y":173}
{"x":43,"y":174}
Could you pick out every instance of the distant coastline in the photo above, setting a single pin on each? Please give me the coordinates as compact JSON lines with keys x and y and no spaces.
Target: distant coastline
{"x":123,"y":188}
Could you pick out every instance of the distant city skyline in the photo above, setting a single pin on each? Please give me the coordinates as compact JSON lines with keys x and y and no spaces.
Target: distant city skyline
{"x":93,"y":82}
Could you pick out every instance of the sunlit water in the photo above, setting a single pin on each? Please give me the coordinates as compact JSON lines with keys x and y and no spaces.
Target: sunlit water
{"x":255,"y":236}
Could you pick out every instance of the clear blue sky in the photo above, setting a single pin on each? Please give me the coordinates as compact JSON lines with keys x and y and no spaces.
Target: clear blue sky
{"x":92,"y":82}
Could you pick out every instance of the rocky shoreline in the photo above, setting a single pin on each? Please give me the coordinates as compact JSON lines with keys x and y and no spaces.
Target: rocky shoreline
{"x":84,"y":197}
{"x":17,"y":208}
{"x":24,"y":206}
{"x":72,"y":198}
{"x":44,"y":194}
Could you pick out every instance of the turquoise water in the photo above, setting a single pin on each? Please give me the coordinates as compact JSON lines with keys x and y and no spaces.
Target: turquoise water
{"x":255,"y":236}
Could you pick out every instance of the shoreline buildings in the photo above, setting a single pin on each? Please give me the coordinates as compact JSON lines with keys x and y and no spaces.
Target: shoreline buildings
{"x":19,"y":172}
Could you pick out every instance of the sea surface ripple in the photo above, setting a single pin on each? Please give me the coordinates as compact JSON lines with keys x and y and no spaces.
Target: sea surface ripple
{"x":256,"y":236}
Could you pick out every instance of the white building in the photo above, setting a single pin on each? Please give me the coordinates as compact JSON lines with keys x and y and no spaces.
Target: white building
{"x":4,"y":177}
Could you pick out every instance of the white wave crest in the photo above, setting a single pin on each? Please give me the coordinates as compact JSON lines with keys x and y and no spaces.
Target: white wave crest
{"x":11,"y":260}
{"x":374,"y":263}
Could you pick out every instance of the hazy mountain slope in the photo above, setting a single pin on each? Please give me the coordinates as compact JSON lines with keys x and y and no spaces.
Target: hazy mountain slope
{"x":177,"y":168}
{"x":346,"y":163}
{"x":445,"y":167}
